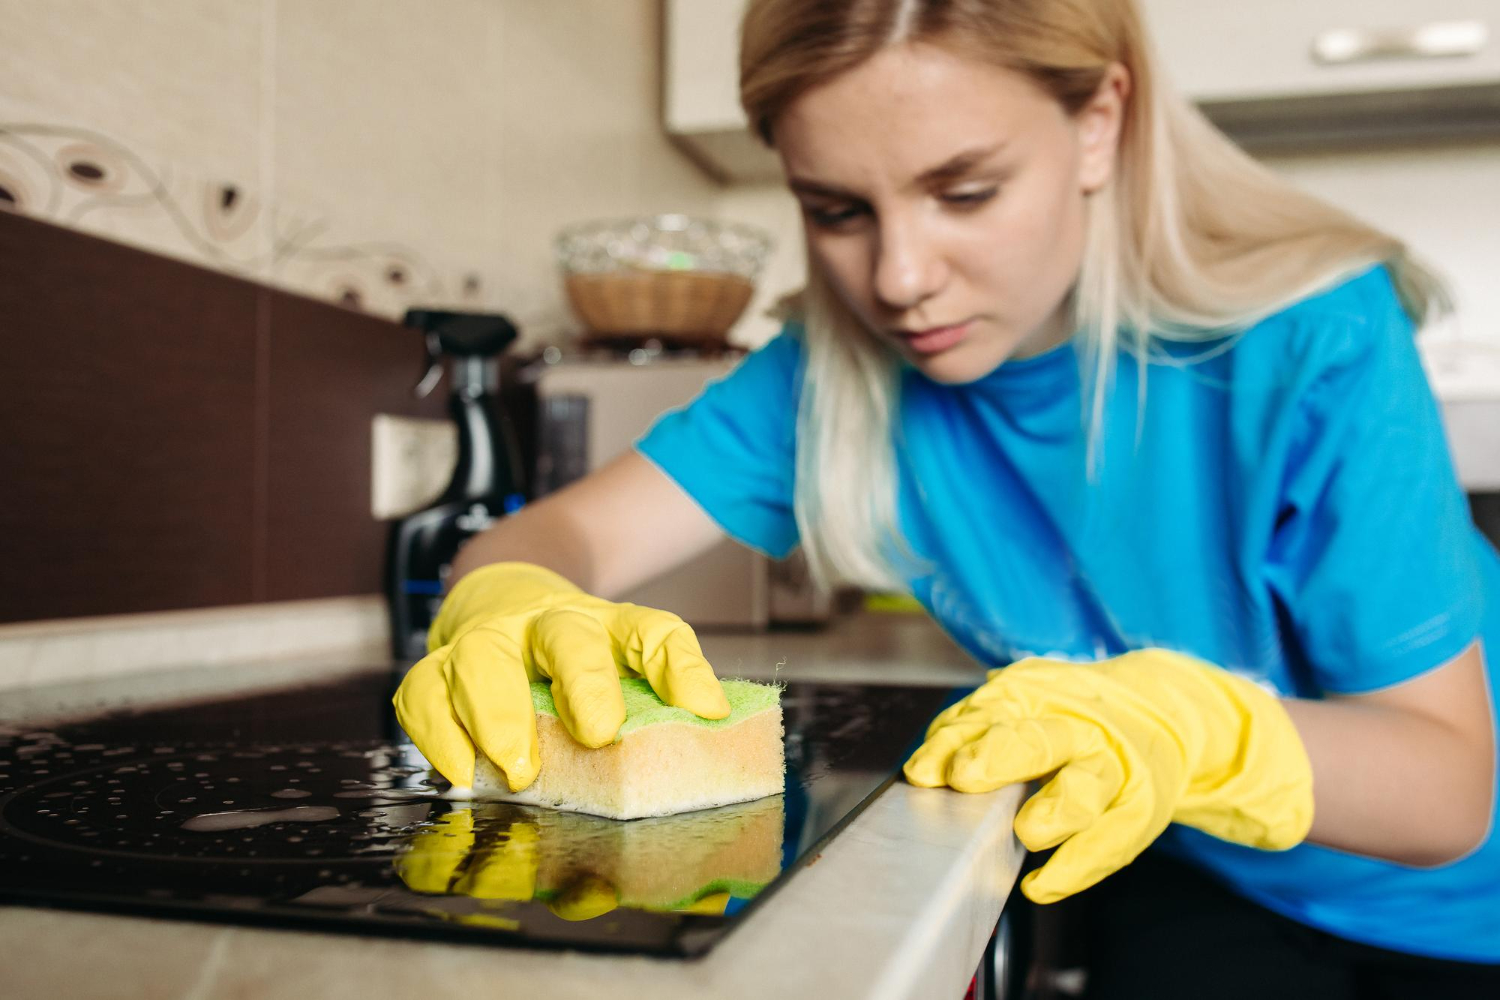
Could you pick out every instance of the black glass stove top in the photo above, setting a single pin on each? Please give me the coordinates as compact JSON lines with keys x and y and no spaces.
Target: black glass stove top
{"x":308,"y":808}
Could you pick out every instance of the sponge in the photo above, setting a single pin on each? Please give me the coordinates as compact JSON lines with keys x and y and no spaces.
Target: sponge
{"x":665,"y":760}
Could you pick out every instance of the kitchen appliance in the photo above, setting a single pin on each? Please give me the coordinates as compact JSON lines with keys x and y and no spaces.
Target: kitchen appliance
{"x":592,"y":403}
{"x":303,"y":808}
{"x":486,"y":483}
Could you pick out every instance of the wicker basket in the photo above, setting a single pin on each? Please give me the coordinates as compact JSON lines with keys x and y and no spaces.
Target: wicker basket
{"x":668,"y":276}
{"x":686,"y":304}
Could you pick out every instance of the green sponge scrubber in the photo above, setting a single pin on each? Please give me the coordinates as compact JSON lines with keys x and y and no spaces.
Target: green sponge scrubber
{"x":665,"y":760}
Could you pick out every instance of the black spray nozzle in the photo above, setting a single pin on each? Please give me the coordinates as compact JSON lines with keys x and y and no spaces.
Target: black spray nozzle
{"x":471,"y":337}
{"x":463,"y":334}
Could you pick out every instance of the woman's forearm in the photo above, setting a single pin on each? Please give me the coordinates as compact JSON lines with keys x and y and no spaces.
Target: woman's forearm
{"x":538,"y":533}
{"x":608,"y":532}
{"x":1394,"y":782}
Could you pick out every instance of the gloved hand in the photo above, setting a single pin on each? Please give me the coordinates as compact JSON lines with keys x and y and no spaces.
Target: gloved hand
{"x":1138,"y":741}
{"x":508,"y":624}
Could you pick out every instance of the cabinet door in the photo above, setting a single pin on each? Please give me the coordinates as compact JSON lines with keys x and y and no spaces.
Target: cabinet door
{"x":702,"y":71}
{"x":1225,"y":50}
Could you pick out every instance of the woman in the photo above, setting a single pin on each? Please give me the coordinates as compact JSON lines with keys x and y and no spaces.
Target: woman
{"x":1240,"y":616}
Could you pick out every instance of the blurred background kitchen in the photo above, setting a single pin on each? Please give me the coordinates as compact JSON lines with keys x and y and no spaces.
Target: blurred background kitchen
{"x":218,"y":212}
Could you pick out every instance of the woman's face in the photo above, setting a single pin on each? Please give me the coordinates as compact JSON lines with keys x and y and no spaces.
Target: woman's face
{"x":943,"y":199}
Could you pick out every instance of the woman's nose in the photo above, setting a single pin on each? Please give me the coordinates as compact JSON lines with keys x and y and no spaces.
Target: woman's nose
{"x":908,"y":268}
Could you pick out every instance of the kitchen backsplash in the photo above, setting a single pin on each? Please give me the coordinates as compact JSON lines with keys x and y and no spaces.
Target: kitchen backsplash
{"x":90,"y":181}
{"x":174,"y":437}
{"x":371,"y":154}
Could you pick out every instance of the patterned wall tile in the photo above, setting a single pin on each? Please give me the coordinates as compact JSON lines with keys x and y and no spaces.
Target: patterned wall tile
{"x":88,"y":179}
{"x":180,"y":81}
{"x":382,"y":121}
{"x":375,"y":155}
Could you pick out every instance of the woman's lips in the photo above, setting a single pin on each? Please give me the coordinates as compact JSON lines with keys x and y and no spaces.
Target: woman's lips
{"x":934,"y":339}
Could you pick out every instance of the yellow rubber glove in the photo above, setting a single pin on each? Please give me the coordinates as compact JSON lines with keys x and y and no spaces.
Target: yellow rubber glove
{"x":1137,"y":742}
{"x":508,"y":624}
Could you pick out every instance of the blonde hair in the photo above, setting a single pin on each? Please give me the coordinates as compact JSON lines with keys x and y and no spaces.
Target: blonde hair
{"x":1190,"y":240}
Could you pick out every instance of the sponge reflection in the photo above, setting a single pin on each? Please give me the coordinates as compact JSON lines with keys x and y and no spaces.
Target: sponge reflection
{"x":582,"y":867}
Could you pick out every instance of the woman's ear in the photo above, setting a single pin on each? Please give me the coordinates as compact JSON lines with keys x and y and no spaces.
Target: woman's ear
{"x":1099,"y":123}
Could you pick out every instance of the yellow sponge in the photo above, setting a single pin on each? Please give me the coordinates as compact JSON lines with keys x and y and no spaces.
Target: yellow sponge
{"x":666,"y":760}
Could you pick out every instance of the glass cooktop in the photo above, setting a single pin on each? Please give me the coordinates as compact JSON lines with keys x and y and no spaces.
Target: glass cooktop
{"x":306,"y":807}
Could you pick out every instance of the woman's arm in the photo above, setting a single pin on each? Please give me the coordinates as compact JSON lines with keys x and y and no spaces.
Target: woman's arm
{"x":608,"y":532}
{"x":1407,"y":773}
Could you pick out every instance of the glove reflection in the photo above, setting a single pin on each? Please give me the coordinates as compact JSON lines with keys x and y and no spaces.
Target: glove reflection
{"x":581,"y":867}
{"x":449,"y":858}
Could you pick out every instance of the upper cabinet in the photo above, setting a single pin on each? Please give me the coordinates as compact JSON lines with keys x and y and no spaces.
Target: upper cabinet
{"x":1218,"y":50}
{"x":701,"y":105}
{"x":1293,"y":71}
{"x":1269,"y":73}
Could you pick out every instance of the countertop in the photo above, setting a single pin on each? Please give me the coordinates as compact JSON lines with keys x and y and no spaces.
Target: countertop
{"x":899,"y":904}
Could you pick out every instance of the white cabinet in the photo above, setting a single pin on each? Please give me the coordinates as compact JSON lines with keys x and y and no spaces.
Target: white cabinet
{"x":1280,"y":72}
{"x":1218,"y":50}
{"x":701,"y":103}
{"x":1271,"y":71}
{"x":703,"y":58}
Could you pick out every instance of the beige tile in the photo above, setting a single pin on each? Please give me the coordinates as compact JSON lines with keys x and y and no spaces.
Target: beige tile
{"x":163,"y":99}
{"x":578,"y":92}
{"x":399,"y":153}
{"x":178,"y":80}
{"x":381,"y":139}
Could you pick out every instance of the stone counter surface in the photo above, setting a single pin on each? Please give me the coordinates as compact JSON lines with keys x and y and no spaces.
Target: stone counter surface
{"x":899,"y":904}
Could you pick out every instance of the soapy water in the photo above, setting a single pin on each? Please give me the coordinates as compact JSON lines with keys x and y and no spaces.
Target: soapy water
{"x":246,"y":819}
{"x":168,"y":802}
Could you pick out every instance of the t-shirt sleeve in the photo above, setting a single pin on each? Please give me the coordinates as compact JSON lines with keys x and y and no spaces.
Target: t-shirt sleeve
{"x":733,"y":448}
{"x":1374,"y":557}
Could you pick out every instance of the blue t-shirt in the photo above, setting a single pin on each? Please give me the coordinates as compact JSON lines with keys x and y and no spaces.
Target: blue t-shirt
{"x":1284,"y":507}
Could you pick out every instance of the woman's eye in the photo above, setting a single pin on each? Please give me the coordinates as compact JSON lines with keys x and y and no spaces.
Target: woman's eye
{"x":833,"y":218}
{"x":969,"y":199}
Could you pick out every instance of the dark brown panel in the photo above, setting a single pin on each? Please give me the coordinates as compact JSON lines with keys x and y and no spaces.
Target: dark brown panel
{"x":331,"y":371}
{"x":126,"y":428}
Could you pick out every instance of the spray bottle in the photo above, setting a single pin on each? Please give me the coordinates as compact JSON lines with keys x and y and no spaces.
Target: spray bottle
{"x":486,"y":482}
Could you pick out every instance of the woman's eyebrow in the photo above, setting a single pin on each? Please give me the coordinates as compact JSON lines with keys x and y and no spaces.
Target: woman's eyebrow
{"x":953,"y":167}
{"x":960,"y":164}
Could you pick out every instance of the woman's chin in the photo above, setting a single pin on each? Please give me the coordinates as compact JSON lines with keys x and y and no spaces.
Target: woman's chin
{"x":956,"y":366}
